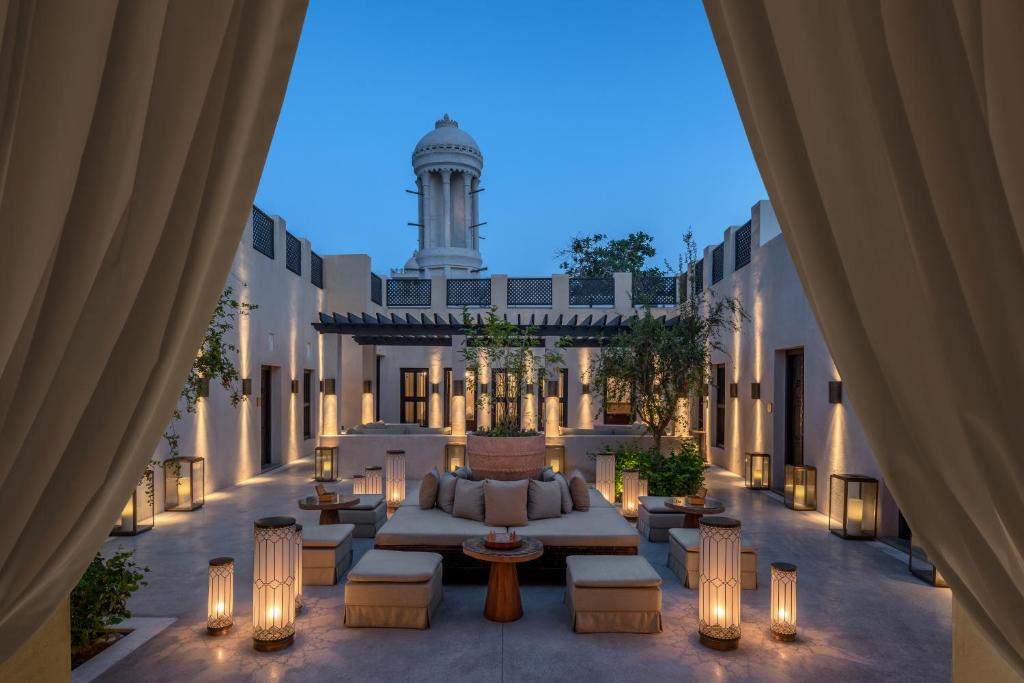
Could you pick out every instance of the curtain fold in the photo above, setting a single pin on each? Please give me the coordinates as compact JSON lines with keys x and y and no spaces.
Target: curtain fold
{"x":889,"y":137}
{"x":132,"y":139}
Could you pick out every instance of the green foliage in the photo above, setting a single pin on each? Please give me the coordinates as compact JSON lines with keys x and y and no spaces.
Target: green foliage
{"x":597,"y":256}
{"x":101,"y":597}
{"x":680,"y":473}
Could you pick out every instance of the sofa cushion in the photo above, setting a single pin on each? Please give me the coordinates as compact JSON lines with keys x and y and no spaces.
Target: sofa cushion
{"x":611,"y":571}
{"x":366,"y":502}
{"x":601,"y":527}
{"x":469,"y":500}
{"x":326,"y":535}
{"x":563,"y":487}
{"x":544,"y":500}
{"x":687,"y":538}
{"x":428,"y":489}
{"x":446,"y":492}
{"x":392,"y":566}
{"x":578,"y":491}
{"x":656,"y":505}
{"x":415,"y":527}
{"x":505,"y":502}
{"x":598,"y":501}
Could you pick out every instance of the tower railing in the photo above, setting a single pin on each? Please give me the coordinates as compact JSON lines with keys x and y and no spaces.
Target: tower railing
{"x":529,"y":291}
{"x":471,"y":292}
{"x":591,"y":291}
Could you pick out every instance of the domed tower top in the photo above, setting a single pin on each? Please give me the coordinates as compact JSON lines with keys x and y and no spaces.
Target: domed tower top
{"x":447,"y":146}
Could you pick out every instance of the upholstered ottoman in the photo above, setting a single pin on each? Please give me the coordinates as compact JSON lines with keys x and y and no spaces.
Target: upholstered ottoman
{"x":326,"y":553}
{"x":684,"y":559}
{"x":367,"y":517}
{"x":612,"y":594}
{"x":393,"y":589}
{"x":654,"y":519}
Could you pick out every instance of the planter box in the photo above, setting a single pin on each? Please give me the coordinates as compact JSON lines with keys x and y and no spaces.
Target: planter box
{"x":506,"y":458}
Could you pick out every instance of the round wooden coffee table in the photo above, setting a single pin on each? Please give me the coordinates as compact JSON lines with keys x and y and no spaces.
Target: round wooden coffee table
{"x":329,"y":509}
{"x":693,"y":513}
{"x":503,"y":600}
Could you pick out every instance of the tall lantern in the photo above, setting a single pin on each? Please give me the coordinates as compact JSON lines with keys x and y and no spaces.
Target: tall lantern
{"x":298,"y":568}
{"x":630,"y":493}
{"x":783,"y":625}
{"x":800,"y":491}
{"x":274,"y":564}
{"x":853,"y":506}
{"x":394,"y":477}
{"x":606,"y":475}
{"x":554,"y":457}
{"x":758,"y":470}
{"x":325,"y":463}
{"x":184,"y":484}
{"x":359,"y":484}
{"x":718,"y":596}
{"x":454,"y":456}
{"x":138,"y":513}
{"x":374,"y":481}
{"x":220,"y":600}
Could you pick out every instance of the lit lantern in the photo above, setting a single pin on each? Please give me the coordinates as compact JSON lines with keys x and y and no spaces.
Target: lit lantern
{"x":274,"y":564}
{"x":606,"y":475}
{"x":718,"y":589}
{"x":853,"y":506}
{"x":458,"y":407}
{"x":454,"y":456}
{"x":220,"y":601}
{"x":359,"y":484}
{"x":643,"y":488}
{"x":783,"y":625}
{"x":325,"y":463}
{"x":801,"y":486}
{"x":394,"y":477}
{"x":554,"y":456}
{"x":758,"y":468}
{"x":184,"y":484}
{"x":298,"y":568}
{"x":630,"y":493}
{"x":138,"y":513}
{"x":374,"y":481}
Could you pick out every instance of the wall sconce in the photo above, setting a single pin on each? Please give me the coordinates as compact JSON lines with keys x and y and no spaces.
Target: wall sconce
{"x":220,"y":600}
{"x":853,"y":506}
{"x":606,"y":475}
{"x":734,"y":390}
{"x":800,"y":489}
{"x":321,"y":386}
{"x":203,"y":388}
{"x":483,"y":388}
{"x":295,"y":386}
{"x":374,"y":481}
{"x":435,"y":388}
{"x":184,"y":484}
{"x":454,"y":456}
{"x":329,"y":387}
{"x":274,"y":565}
{"x":530,"y":387}
{"x":630,"y":493}
{"x":755,"y":390}
{"x":554,"y":456}
{"x":367,"y":386}
{"x":769,"y":407}
{"x":585,"y":388}
{"x":552,"y":388}
{"x":138,"y":513}
{"x":835,"y":392}
{"x":459,"y":387}
{"x":758,"y":467}
{"x":394,"y":477}
{"x":783,"y":625}
{"x":325,"y":463}
{"x":718,"y":588}
{"x":247,"y":387}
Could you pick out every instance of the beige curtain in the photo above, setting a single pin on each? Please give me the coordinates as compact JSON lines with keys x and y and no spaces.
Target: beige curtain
{"x":890,"y":136}
{"x":132,"y":138}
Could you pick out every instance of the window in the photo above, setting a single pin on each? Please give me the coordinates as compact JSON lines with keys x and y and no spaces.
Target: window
{"x":447,"y":397}
{"x":413,"y":409}
{"x":307,"y":412}
{"x":720,"y":390}
{"x":504,"y":398}
{"x":717,"y":263}
{"x":618,"y":405}
{"x":471,"y":392}
{"x":563,"y":398}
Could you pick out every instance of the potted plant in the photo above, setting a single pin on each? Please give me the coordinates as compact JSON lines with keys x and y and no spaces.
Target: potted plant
{"x":505,"y":350}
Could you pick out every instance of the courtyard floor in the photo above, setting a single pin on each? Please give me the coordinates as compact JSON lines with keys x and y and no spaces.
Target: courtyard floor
{"x":862,"y":616}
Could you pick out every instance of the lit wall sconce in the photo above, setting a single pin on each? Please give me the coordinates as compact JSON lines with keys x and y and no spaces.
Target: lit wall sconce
{"x":853,"y":506}
{"x":374,"y":483}
{"x":758,"y":468}
{"x":530,"y":387}
{"x":552,"y":388}
{"x":220,"y":600}
{"x":630,"y":493}
{"x":459,"y":387}
{"x":585,"y":388}
{"x":483,"y":388}
{"x":274,"y":567}
{"x":367,"y":386}
{"x":295,"y":386}
{"x":321,"y":386}
{"x":755,"y":390}
{"x":734,"y":390}
{"x":554,"y":457}
{"x":394,"y":477}
{"x":138,"y":513}
{"x":454,"y":456}
{"x":298,"y":568}
{"x":435,"y":388}
{"x":184,"y":484}
{"x":606,"y":475}
{"x":800,"y":488}
{"x":325,"y":463}
{"x":203,"y":388}
{"x":783,"y":626}
{"x":247,"y":387}
{"x":835,"y":392}
{"x":718,"y":588}
{"x":329,"y":387}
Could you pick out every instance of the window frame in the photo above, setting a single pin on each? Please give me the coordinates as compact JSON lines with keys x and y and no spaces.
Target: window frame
{"x":418,"y":402}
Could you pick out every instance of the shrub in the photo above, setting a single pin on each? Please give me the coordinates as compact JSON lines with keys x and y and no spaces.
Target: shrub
{"x":680,"y":473}
{"x":101,"y":597}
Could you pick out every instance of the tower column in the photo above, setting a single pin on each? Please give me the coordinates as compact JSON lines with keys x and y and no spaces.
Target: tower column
{"x":425,"y":181}
{"x":467,"y":203}
{"x":475,"y":213}
{"x":421,"y":218}
{"x":446,"y":178}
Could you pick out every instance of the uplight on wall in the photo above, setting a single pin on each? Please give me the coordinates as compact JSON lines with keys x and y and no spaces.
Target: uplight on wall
{"x":184,"y":484}
{"x":757,"y":468}
{"x":800,"y":487}
{"x":247,"y":387}
{"x":853,"y":506}
{"x":835,"y":392}
{"x":367,"y":386}
{"x":220,"y":600}
{"x":203,"y":387}
{"x":274,"y":565}
{"x":373,"y":481}
{"x":734,"y":390}
{"x":394,"y":477}
{"x":585,"y":388}
{"x":718,"y":588}
{"x":630,"y":493}
{"x":435,"y":388}
{"x":295,"y":386}
{"x":329,"y":387}
{"x":755,"y":390}
{"x":606,"y":475}
{"x":783,"y":624}
{"x":325,"y":463}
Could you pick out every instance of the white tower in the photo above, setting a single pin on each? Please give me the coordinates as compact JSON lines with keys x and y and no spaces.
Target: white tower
{"x":447,"y":162}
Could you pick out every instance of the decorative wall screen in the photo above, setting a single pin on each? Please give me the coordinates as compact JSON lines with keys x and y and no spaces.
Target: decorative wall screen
{"x":376,"y":289}
{"x":698,"y":277}
{"x":408,"y":292}
{"x":469,"y":292}
{"x":717,"y":263}
{"x":742,"y":237}
{"x":316,"y":269}
{"x":591,"y":291}
{"x":529,"y":291}
{"x":262,"y":232}
{"x":293,"y":253}
{"x":654,"y":291}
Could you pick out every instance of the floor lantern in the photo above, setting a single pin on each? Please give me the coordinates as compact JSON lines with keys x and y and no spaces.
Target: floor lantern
{"x":184,"y":484}
{"x":454,"y":456}
{"x":140,"y":510}
{"x":359,"y":484}
{"x":800,"y":490}
{"x":758,"y":467}
{"x":718,"y":588}
{"x":783,"y":626}
{"x":298,"y":568}
{"x":394,"y":477}
{"x":374,"y":482}
{"x":630,"y":493}
{"x":274,"y":564}
{"x":606,"y":475}
{"x":220,"y":600}
{"x":554,"y":457}
{"x":853,"y":506}
{"x":325,"y":463}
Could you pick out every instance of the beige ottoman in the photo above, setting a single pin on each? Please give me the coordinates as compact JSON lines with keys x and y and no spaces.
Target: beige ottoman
{"x":612,"y":594}
{"x":684,"y":559}
{"x":393,"y":589}
{"x":367,"y":517}
{"x":654,"y":519}
{"x":326,"y":553}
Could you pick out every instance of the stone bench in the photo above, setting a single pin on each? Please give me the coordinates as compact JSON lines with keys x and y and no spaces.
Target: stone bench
{"x":612,"y":594}
{"x":326,"y":553}
{"x":393,"y":589}
{"x":367,"y":517}
{"x":654,"y":519}
{"x":684,"y":559}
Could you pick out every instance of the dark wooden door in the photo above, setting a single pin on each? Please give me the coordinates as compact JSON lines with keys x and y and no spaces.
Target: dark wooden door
{"x":795,"y":407}
{"x":266,"y":427}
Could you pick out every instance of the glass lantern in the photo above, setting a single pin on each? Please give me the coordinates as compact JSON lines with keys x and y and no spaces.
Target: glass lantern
{"x":138,"y":513}
{"x":606,"y":475}
{"x":630,"y":493}
{"x":359,"y":484}
{"x":853,"y":506}
{"x":801,"y":487}
{"x":718,"y":587}
{"x":274,"y":567}
{"x":554,"y":457}
{"x":454,"y":456}
{"x":298,"y":568}
{"x":374,"y":481}
{"x":325,"y":463}
{"x":783,"y":626}
{"x":757,"y":467}
{"x":394,"y":477}
{"x":184,"y":484}
{"x":220,"y":601}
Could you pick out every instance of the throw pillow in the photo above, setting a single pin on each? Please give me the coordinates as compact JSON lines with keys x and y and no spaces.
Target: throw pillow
{"x":428,"y":489}
{"x":544,"y":500}
{"x":563,"y":486}
{"x":463,"y":472}
{"x":446,"y":492}
{"x":469,"y":499}
{"x":547,"y":474}
{"x":505,"y":502}
{"x":579,"y":492}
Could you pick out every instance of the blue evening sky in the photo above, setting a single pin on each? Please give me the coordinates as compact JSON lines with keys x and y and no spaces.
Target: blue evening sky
{"x":592,"y":116}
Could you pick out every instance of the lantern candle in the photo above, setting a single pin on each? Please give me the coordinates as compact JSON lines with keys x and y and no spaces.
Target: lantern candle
{"x":758,"y":469}
{"x":394,"y":466}
{"x":718,"y":588}
{"x":455,"y":456}
{"x":783,"y":614}
{"x":220,"y":599}
{"x":298,"y":568}
{"x":853,"y":506}
{"x":606,"y":476}
{"x":799,"y":490}
{"x":374,"y":483}
{"x":325,"y":463}
{"x":630,"y":493}
{"x":274,"y":565}
{"x":359,"y":484}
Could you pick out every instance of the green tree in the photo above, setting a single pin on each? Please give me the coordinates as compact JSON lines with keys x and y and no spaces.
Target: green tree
{"x":100,"y":599}
{"x":597,"y":256}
